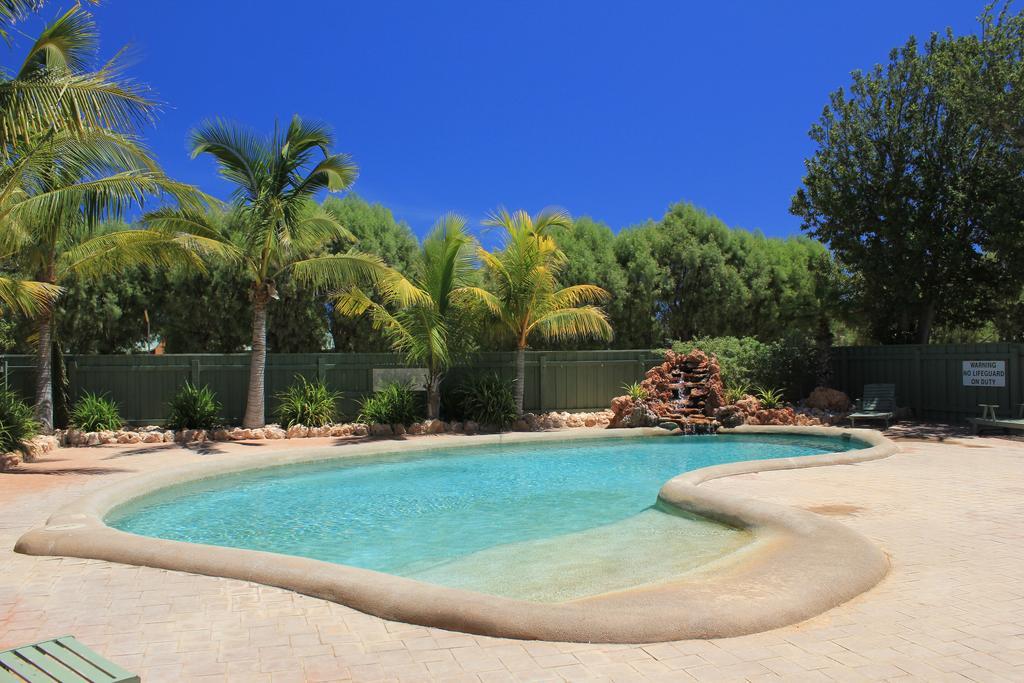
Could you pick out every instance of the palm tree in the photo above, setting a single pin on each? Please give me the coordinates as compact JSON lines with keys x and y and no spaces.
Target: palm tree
{"x":59,"y":214}
{"x":423,"y":331}
{"x":285,"y":232}
{"x":62,"y":174}
{"x":525,"y":297}
{"x":50,"y":95}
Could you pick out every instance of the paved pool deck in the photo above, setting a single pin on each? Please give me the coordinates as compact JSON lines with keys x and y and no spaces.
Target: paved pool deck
{"x":948,"y":509}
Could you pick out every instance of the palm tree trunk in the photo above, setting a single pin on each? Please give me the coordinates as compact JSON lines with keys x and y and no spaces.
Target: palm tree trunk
{"x":44,"y":355}
{"x":520,"y":378}
{"x":254,"y":409}
{"x":434,"y":397}
{"x":44,"y":371}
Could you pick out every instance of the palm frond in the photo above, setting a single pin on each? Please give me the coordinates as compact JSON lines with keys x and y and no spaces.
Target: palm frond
{"x":339,"y":271}
{"x":549,"y":218}
{"x":481,"y":296}
{"x":352,"y":302}
{"x":103,"y":197}
{"x":121,"y":250}
{"x":335,"y":173}
{"x":577,"y":295}
{"x":27,"y":297}
{"x":66,"y":45}
{"x":315,"y":227}
{"x":70,"y":102}
{"x":573,"y":323}
{"x":193,"y":231}
{"x":305,"y":134}
{"x":243,"y":157}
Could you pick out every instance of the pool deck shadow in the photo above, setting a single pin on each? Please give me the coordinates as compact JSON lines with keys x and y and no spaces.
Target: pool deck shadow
{"x":800,"y":564}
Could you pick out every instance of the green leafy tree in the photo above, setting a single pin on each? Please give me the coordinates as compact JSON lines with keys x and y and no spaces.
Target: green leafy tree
{"x":638,"y":320}
{"x":377,"y":232}
{"x":697,"y":253}
{"x":296,"y":323}
{"x":428,"y":331}
{"x":914,"y":191}
{"x":524,"y":294}
{"x":589,"y":248}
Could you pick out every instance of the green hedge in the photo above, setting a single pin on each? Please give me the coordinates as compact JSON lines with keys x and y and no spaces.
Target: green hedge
{"x":746,"y":361}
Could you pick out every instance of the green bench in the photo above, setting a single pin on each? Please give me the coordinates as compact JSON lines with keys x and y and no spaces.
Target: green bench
{"x":988,"y":419}
{"x":64,"y":660}
{"x":879,"y":403}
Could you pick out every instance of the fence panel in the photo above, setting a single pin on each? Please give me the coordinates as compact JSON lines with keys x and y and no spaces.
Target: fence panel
{"x":929,"y":378}
{"x":143,"y":384}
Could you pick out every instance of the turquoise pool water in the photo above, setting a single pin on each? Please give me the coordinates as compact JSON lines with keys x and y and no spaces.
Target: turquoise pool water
{"x":543,"y":521}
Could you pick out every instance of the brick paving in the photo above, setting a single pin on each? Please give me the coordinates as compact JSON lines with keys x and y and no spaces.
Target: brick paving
{"x":949,"y":514}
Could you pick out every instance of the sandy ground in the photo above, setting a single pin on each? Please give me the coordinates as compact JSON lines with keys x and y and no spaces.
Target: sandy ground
{"x":949,"y":510}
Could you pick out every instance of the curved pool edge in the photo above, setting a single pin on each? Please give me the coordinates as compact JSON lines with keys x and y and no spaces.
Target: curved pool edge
{"x":800,"y":564}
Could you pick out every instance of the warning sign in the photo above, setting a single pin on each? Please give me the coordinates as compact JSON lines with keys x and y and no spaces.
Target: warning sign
{"x":984,"y":373}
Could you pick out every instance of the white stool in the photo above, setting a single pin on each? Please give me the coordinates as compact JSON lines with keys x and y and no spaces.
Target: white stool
{"x":988,"y":410}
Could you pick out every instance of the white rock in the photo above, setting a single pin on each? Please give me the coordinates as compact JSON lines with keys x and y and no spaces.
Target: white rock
{"x":92,"y":439}
{"x":381,"y":430}
{"x":275,"y":432}
{"x":297,"y":432}
{"x":359,"y":429}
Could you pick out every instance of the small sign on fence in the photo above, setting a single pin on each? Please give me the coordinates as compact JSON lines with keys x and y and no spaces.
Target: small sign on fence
{"x":415,"y":377}
{"x":984,"y":373}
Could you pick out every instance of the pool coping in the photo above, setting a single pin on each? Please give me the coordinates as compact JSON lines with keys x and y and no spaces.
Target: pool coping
{"x":800,"y":565}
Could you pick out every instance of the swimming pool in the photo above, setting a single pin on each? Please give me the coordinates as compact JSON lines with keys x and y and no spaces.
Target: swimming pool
{"x":546,"y":522}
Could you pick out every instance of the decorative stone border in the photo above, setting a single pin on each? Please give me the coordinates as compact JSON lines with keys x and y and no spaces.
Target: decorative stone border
{"x":152,"y":434}
{"x":799,"y":565}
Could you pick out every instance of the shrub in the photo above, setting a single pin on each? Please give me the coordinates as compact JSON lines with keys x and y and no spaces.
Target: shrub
{"x":488,"y":399}
{"x":306,"y":403}
{"x":746,"y":361}
{"x":95,"y":413}
{"x":735,"y":393}
{"x":193,"y":408}
{"x":635,"y":391}
{"x":17,"y":425}
{"x":394,"y":404}
{"x":769,"y":398}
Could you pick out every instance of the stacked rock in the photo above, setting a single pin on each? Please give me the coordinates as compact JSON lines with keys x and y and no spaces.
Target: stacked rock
{"x":682,"y":392}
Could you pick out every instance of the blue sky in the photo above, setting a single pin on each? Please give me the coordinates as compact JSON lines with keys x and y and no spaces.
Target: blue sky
{"x":613,"y":110}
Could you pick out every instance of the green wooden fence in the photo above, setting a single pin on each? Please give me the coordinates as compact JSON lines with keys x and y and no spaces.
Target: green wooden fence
{"x":142,"y":384}
{"x":929,"y":378}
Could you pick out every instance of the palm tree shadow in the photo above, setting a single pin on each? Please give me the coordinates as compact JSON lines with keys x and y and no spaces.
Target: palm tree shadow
{"x":64,"y":471}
